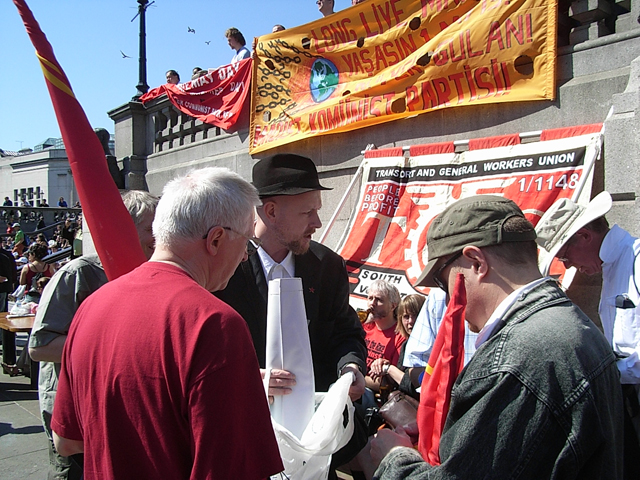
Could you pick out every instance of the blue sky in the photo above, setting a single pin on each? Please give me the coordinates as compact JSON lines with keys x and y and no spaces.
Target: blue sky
{"x":88,"y":35}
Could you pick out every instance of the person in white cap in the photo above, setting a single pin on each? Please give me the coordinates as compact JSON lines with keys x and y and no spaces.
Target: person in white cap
{"x":581,"y":237}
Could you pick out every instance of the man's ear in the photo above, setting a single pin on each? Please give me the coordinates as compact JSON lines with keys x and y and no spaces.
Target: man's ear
{"x":584,"y":236}
{"x":214,"y":238}
{"x":478,"y":260}
{"x":269,"y":210}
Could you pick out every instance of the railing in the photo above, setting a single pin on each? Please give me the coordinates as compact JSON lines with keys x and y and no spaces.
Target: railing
{"x":30,"y":217}
{"x":172,"y":128}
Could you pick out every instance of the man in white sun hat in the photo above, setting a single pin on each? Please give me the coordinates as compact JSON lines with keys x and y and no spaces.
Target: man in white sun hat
{"x":580,"y":237}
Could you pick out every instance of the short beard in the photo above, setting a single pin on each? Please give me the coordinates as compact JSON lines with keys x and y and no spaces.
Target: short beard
{"x":297,"y":247}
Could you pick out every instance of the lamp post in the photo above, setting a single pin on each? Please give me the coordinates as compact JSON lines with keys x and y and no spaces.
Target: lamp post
{"x":142,"y":59}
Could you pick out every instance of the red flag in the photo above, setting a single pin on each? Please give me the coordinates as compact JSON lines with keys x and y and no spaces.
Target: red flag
{"x":112,"y":228}
{"x":445,"y":364}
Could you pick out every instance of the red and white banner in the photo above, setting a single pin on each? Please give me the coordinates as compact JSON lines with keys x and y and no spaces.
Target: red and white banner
{"x":386,"y":237}
{"x":216,"y":98}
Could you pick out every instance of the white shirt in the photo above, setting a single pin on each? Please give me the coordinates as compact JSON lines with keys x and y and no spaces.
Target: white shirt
{"x":499,"y":312}
{"x":269,"y":264}
{"x":620,"y":254}
{"x":423,"y":335}
{"x":241,"y":55}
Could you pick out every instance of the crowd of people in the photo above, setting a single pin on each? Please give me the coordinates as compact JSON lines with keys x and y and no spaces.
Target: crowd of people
{"x":67,"y":233}
{"x":544,"y":393}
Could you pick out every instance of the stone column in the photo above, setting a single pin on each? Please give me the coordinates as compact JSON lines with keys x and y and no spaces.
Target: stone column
{"x":132,"y":143}
{"x":622,"y":154}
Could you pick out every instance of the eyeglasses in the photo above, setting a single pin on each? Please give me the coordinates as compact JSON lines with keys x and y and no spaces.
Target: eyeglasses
{"x":436,"y":275}
{"x":253,"y":243}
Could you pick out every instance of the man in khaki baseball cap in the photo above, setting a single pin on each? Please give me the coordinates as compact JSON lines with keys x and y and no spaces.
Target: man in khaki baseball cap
{"x":541,"y":395}
{"x":454,"y":229}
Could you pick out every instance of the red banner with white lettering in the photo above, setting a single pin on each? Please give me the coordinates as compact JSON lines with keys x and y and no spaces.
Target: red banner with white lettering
{"x":216,"y":98}
{"x":386,"y":236}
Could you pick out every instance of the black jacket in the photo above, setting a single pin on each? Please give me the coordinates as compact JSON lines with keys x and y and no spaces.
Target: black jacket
{"x":8,"y":269}
{"x":336,"y":335}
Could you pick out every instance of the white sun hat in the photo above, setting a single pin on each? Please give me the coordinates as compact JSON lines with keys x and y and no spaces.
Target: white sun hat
{"x":562,"y":220}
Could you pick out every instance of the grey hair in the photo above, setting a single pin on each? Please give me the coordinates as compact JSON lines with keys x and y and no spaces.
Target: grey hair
{"x":385,"y":288}
{"x":139,"y":204}
{"x":192,"y":204}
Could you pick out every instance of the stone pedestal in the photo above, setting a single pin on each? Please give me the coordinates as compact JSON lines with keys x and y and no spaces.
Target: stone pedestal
{"x":133,"y":143}
{"x":622,"y":154}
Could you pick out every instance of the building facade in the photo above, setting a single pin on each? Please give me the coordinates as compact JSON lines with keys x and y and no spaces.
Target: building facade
{"x":36,"y":176}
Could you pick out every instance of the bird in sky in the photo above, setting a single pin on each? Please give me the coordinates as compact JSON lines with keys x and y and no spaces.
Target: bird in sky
{"x":124,"y":55}
{"x":207,"y":42}
{"x":190,"y":30}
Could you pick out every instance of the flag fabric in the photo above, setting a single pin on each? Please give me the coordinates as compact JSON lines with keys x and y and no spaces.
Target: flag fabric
{"x":216,"y":98}
{"x":112,"y":229}
{"x":400,"y":195}
{"x":445,"y":364}
{"x":382,"y":61}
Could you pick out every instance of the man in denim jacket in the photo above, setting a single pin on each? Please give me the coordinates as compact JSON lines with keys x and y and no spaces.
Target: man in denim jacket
{"x":541,"y":396}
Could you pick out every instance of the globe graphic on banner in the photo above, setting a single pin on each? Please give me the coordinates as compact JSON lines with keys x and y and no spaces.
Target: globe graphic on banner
{"x":324,"y":79}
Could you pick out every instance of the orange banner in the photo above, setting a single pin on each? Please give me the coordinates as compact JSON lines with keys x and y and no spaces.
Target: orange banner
{"x":383,"y":60}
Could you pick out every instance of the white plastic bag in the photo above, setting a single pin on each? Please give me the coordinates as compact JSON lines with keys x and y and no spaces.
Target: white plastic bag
{"x":20,"y":292}
{"x":309,"y":457}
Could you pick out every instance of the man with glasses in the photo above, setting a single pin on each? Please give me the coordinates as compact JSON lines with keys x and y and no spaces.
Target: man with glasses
{"x":289,"y":189}
{"x":539,"y":399}
{"x":166,"y":384}
{"x":580,"y":237}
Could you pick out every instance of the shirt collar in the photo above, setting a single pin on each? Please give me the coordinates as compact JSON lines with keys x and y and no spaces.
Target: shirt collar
{"x":499,"y":312}
{"x":608,"y":250}
{"x":267,"y":263}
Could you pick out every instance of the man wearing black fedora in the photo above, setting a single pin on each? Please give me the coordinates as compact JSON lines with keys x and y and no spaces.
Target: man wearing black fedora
{"x":290,"y":191}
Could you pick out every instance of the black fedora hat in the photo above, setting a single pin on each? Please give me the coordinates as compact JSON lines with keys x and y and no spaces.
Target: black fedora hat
{"x":285,"y":174}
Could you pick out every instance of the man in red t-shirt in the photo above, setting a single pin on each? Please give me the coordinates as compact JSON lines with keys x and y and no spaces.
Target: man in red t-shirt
{"x":168,"y":384}
{"x":382,"y":338}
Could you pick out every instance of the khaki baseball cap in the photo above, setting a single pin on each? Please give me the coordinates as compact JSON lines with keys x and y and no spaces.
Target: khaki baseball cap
{"x":472,"y":221}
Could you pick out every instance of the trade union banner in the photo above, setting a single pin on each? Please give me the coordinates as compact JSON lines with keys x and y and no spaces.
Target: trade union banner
{"x":386,"y":235}
{"x":215,"y":98}
{"x":384,"y":60}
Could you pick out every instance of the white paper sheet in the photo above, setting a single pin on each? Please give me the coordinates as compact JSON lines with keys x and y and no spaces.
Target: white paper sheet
{"x":288,"y":348}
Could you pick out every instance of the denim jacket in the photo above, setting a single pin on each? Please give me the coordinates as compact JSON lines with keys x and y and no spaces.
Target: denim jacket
{"x":540,"y":399}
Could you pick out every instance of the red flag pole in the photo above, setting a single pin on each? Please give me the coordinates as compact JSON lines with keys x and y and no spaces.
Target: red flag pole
{"x":111,"y":226}
{"x":445,"y":364}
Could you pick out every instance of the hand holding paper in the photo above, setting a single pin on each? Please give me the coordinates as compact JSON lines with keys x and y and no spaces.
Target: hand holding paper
{"x":280,"y":382}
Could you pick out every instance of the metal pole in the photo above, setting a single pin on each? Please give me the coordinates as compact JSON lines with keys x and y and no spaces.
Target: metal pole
{"x":142,"y":72}
{"x":354,"y":180}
